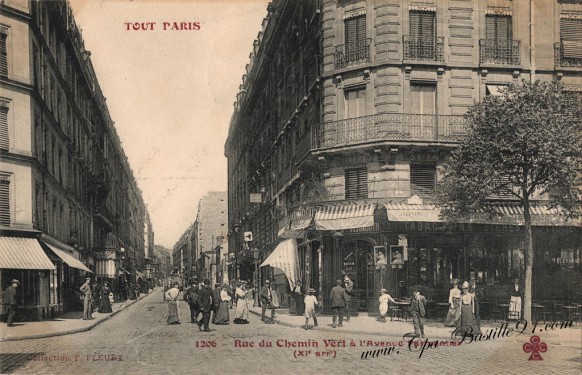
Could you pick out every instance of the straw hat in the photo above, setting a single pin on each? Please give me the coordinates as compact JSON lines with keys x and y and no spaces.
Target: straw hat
{"x":465,"y":285}
{"x":384,"y":290}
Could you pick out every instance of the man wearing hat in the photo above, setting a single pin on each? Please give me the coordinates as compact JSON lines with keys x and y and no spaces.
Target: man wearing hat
{"x":418,"y":311}
{"x":10,"y":301}
{"x":266,"y":297}
{"x":87,"y":298}
{"x":338,"y":302}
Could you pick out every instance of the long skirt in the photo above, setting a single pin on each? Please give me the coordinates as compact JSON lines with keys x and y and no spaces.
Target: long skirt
{"x":242,"y":309}
{"x":383,"y":309}
{"x":515,"y":308}
{"x":299,"y":303}
{"x":454,"y":314}
{"x":173,"y":314}
{"x":104,"y":304}
{"x":293,"y":306}
{"x":468,"y":322}
{"x":222,"y":315}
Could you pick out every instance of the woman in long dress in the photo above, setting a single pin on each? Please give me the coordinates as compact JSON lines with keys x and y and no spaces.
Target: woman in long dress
{"x":454,"y":313}
{"x":241,"y":314}
{"x":383,"y":304}
{"x":222,"y":315}
{"x":298,"y":294}
{"x":104,"y":304}
{"x":172,"y":297}
{"x":468,"y":322}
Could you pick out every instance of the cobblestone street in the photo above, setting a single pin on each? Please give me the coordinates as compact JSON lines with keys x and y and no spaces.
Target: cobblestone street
{"x":137,"y":341}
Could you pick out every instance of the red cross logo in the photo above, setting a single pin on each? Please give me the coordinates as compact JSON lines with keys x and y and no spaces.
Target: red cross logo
{"x":535,"y":347}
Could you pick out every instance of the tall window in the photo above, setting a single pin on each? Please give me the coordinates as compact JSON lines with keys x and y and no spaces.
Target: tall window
{"x":423,"y":98}
{"x":3,"y":51}
{"x":355,"y":31}
{"x":5,"y":199}
{"x":423,"y":179}
{"x":422,"y":42}
{"x":4,"y":135}
{"x":499,"y":46}
{"x":571,"y":37}
{"x":356,"y":186}
{"x":355,"y":103}
{"x":498,"y":27}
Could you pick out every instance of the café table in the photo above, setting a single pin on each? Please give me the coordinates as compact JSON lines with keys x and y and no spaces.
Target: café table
{"x":537,"y":307}
{"x":504,"y":309}
{"x":443,"y":308}
{"x":403,"y":307}
{"x":570,"y":310}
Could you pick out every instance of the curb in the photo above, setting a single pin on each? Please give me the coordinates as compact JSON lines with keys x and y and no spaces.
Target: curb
{"x":76,"y":330}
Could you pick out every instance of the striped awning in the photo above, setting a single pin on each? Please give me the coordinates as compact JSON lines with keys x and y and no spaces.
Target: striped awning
{"x":70,"y":260}
{"x":345,"y":216}
{"x":23,"y":253}
{"x":412,"y":212}
{"x":106,"y":268}
{"x":512,"y":214}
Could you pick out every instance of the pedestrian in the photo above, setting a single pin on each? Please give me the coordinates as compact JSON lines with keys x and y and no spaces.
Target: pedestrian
{"x":467,"y":323}
{"x":241,"y":314}
{"x":205,"y":303}
{"x":338,"y":303}
{"x":418,"y":312}
{"x":266,"y":297}
{"x":349,"y":287}
{"x":191,"y":297}
{"x":10,"y":301}
{"x":222,"y":317}
{"x":173,"y":310}
{"x":215,"y":297}
{"x":477,"y":298}
{"x":383,"y":304}
{"x":310,"y":301}
{"x":516,"y":293}
{"x":298,"y":295}
{"x":454,"y":313}
{"x":104,"y":303}
{"x":87,"y":299}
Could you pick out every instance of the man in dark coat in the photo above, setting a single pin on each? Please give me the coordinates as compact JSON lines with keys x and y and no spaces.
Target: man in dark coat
{"x":338,"y":303}
{"x":10,"y":301}
{"x":205,"y":304}
{"x":418,"y":312}
{"x":216,"y":298}
{"x":266,"y":297}
{"x":191,"y":296}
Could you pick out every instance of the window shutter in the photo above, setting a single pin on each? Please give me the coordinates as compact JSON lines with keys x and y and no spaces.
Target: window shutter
{"x":355,"y":30}
{"x":498,"y":27}
{"x":571,"y":37}
{"x":4,"y":140}
{"x":3,"y":56}
{"x":4,"y":201}
{"x":356,"y":184}
{"x":422,"y":24}
{"x":423,"y":179}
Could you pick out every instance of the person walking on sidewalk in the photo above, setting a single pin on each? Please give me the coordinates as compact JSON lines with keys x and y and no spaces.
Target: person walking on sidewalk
{"x":191,"y":297}
{"x":266,"y":297}
{"x":172,"y":297}
{"x":104,"y":303}
{"x":349,"y":287}
{"x":87,"y":299}
{"x":310,"y":302}
{"x":383,"y":304}
{"x":215,"y":297}
{"x":418,"y":312}
{"x":205,"y":303}
{"x":338,"y":303}
{"x":10,"y":301}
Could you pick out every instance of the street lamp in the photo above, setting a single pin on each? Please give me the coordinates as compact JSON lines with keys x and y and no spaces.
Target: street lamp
{"x":236,"y":240}
{"x":256,"y":260}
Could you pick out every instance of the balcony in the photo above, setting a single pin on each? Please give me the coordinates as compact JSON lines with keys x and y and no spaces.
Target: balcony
{"x":567,"y":54}
{"x":391,"y":127}
{"x":352,"y":54}
{"x":501,"y":52}
{"x":423,"y":48}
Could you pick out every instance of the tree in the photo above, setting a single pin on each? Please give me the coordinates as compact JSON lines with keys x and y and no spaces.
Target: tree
{"x":523,"y":143}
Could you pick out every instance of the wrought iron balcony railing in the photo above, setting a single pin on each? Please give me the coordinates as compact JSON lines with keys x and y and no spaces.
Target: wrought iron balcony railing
{"x":569,"y":56}
{"x":352,"y":54}
{"x":423,"y":48}
{"x":391,"y":126}
{"x":504,"y":52}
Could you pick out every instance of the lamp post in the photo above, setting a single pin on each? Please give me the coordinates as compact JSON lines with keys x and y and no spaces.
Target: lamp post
{"x":236,"y":242}
{"x":256,"y":260}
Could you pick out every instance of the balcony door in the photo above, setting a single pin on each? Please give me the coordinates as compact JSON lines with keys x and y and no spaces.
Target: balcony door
{"x":423,"y":104}
{"x":355,"y":108}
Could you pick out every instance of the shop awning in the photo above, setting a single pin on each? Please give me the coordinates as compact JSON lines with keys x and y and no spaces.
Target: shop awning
{"x":285,"y":257}
{"x":345,"y":216}
{"x":293,"y":225}
{"x":140,"y":274}
{"x":70,"y":260}
{"x":495,"y":89}
{"x":23,"y":253}
{"x":512,"y":214}
{"x":412,"y":212}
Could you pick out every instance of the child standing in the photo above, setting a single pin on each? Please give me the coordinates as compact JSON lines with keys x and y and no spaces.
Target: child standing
{"x":383,"y":304}
{"x":310,"y":303}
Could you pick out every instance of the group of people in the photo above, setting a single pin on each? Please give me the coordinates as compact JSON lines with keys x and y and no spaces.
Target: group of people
{"x":341,"y":297}
{"x":217,"y":302}
{"x":464,"y":308}
{"x":94,"y":297}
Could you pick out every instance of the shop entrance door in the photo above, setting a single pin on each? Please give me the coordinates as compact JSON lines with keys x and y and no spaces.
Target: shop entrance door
{"x":358,"y":263}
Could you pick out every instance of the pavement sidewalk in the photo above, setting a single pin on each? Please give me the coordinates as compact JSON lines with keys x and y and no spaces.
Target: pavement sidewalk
{"x":367,"y":324}
{"x":65,"y":324}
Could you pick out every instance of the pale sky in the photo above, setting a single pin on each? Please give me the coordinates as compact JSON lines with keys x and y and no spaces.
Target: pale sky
{"x":171,"y":93}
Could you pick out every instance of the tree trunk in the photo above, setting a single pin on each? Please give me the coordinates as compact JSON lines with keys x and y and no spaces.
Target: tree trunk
{"x":529,"y":257}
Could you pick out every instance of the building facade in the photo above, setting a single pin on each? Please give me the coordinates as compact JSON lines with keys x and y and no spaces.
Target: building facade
{"x":66,"y":182}
{"x":346,"y":113}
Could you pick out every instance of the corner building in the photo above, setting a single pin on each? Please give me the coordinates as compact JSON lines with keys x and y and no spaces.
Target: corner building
{"x":346,"y":113}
